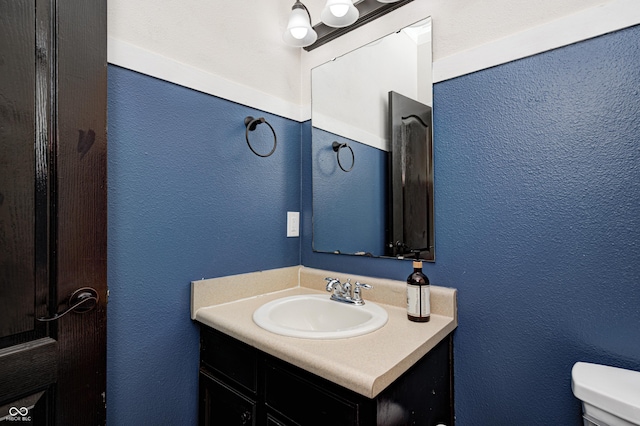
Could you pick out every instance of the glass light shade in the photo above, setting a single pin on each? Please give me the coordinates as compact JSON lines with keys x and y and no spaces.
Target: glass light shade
{"x":299,"y":32}
{"x":330,"y":14}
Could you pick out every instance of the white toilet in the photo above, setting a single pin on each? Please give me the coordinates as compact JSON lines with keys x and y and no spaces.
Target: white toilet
{"x":610,"y":396}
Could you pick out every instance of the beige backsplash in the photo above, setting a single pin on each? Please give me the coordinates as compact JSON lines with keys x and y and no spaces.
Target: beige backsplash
{"x":216,"y":291}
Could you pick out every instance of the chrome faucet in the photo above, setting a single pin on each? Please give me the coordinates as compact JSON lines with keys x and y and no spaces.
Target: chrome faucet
{"x":346,"y":293}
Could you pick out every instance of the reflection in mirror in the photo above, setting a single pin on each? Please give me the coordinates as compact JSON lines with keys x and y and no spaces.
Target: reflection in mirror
{"x":352,"y":212}
{"x":410,"y":178}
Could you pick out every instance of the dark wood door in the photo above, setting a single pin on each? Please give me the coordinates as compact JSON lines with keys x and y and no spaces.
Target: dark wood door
{"x":410,"y":178}
{"x":53,"y":211}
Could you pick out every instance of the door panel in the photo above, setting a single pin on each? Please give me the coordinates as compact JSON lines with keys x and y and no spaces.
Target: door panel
{"x":52,"y":209}
{"x":30,"y":409}
{"x":26,"y":367}
{"x":17,"y":116}
{"x":410,"y":178}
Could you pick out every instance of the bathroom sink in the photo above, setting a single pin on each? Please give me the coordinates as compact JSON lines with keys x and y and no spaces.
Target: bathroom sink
{"x":315,"y":316}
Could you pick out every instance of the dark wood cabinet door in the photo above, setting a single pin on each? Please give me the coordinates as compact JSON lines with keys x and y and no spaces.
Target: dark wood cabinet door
{"x":53,"y":210}
{"x":304,"y":400}
{"x":224,"y":406}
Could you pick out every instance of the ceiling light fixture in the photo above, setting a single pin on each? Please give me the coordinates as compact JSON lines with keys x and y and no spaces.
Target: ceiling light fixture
{"x":337,"y":18}
{"x":299,"y":32}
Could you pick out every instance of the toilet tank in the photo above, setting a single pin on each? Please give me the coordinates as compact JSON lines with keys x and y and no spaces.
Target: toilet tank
{"x":610,"y":396}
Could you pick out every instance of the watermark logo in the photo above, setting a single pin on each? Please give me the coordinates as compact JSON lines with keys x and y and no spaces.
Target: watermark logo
{"x":18,"y":414}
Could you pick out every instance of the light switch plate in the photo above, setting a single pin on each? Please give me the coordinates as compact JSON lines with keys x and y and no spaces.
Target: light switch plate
{"x":293,"y":224}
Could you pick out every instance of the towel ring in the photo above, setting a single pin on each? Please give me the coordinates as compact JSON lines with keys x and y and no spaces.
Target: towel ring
{"x":251,"y":124}
{"x":337,"y":146}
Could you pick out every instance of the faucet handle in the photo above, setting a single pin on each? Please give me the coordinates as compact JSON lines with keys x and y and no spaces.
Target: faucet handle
{"x":331,"y":282}
{"x":357,"y":289}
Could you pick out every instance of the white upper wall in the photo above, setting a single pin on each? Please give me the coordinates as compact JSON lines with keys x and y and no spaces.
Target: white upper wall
{"x":234,"y":49}
{"x":239,"y":40}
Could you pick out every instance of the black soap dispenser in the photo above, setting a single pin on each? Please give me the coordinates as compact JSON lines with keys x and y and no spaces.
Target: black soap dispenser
{"x":418,"y":294}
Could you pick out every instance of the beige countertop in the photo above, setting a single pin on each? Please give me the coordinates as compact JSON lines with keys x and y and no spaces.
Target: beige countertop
{"x":365,"y":364}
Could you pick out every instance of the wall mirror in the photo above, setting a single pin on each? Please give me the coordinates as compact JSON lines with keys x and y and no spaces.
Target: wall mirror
{"x":372,"y":148}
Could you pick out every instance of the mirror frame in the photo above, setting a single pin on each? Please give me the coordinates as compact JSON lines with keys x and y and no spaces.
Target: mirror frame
{"x":369,"y":11}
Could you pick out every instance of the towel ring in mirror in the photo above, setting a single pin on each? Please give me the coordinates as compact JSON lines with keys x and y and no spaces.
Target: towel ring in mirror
{"x":337,"y":147}
{"x":251,"y":124}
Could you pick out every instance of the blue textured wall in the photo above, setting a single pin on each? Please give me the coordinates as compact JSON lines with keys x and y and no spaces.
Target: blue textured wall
{"x":537,"y":174}
{"x":348,"y":200}
{"x":537,"y":184}
{"x":187,"y":200}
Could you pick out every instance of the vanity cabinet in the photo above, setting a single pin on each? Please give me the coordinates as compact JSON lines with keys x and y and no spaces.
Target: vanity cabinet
{"x":241,"y":385}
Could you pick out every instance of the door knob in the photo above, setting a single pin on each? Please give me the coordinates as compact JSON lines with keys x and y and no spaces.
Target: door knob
{"x":82,"y":300}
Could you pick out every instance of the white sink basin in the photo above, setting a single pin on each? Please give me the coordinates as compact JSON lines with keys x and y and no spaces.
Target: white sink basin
{"x":314,"y":316}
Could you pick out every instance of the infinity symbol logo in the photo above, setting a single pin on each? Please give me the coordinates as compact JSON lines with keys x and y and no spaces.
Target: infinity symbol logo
{"x":22,"y":411}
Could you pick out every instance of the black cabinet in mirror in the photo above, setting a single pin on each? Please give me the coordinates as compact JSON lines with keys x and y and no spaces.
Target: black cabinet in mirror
{"x":383,"y":206}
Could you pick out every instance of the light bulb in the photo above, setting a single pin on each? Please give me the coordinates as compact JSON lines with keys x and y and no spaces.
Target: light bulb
{"x":299,"y":33}
{"x":339,"y":10}
{"x":339,"y":13}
